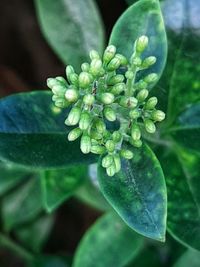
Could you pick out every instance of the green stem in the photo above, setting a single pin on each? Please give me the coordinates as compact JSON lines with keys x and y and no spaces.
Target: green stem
{"x":11,"y":245}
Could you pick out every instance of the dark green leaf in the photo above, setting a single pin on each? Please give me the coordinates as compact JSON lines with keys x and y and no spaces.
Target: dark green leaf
{"x":10,"y":176}
{"x":183,"y":214}
{"x":23,"y":204}
{"x":138,"y":193}
{"x":58,"y":185}
{"x":144,"y":17}
{"x":33,"y":133}
{"x":49,"y":261}
{"x":109,"y":242}
{"x":190,"y":258}
{"x":34,"y":235}
{"x":72,"y":28}
{"x":186,"y":129}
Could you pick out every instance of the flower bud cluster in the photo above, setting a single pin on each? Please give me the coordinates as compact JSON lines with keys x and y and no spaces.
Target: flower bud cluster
{"x":100,"y":94}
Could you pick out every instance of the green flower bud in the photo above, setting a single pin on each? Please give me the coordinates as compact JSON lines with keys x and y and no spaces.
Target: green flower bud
{"x":124,"y":101}
{"x":94,"y":55}
{"x":141,"y":85}
{"x":62,"y":81}
{"x":132,"y":102}
{"x":136,"y":143}
{"x":141,"y":44}
{"x":84,"y":79}
{"x":73,"y":117}
{"x":151,"y":78}
{"x":129,"y":74}
{"x":127,"y":154}
{"x":85,"y":121}
{"x":109,"y":114}
{"x":100,"y":126}
{"x":158,"y":115}
{"x":61,"y":103}
{"x":136,"y":61}
{"x":88,"y":99}
{"x":95,"y":67}
{"x":69,"y":71}
{"x":114,"y":64}
{"x":116,"y":136}
{"x":151,"y":103}
{"x":111,"y":170}
{"x":52,"y":82}
{"x":95,"y":135}
{"x":59,"y":90}
{"x":142,"y":95}
{"x":74,"y":134}
{"x":149,"y":61}
{"x":135,"y":132}
{"x":110,"y":146}
{"x":73,"y":78}
{"x":107,"y":98}
{"x":116,"y":79}
{"x":85,"y":144}
{"x":149,"y":126}
{"x":107,"y":161}
{"x":134,"y":114}
{"x":118,"y":88}
{"x":98,"y":149}
{"x":71,"y":95}
{"x":117,"y":163}
{"x":56,"y":98}
{"x":109,"y":53}
{"x":85,"y":67}
{"x":122,"y":59}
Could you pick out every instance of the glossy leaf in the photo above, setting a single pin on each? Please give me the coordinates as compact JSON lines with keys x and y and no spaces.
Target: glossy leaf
{"x":33,"y":133}
{"x":142,"y":18}
{"x":72,"y":28}
{"x":190,"y":258}
{"x":59,"y":185}
{"x":183,"y":215}
{"x":186,"y":130}
{"x":33,"y":235}
{"x":22,"y":205}
{"x":10,"y":176}
{"x":138,"y":193}
{"x":109,"y":242}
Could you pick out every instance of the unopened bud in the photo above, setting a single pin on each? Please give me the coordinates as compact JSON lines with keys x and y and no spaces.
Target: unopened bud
{"x":107,"y":98}
{"x":118,"y":88}
{"x":149,"y":126}
{"x":134,"y":114}
{"x":149,"y":61}
{"x":135,"y":132}
{"x":59,"y":90}
{"x":132,"y":102}
{"x":69,"y":71}
{"x":62,"y":81}
{"x":158,"y":115}
{"x":116,"y":79}
{"x":73,"y":78}
{"x":100,"y":126}
{"x":109,"y":114}
{"x":71,"y":95}
{"x":85,"y":144}
{"x":151,"y":103}
{"x":52,"y":82}
{"x":122,"y":59}
{"x":95,"y":67}
{"x":141,"y":85}
{"x":98,"y":149}
{"x":111,"y":170}
{"x":107,"y":161}
{"x":142,"y":95}
{"x":85,"y":121}
{"x":114,"y":64}
{"x":151,"y":78}
{"x":136,"y":61}
{"x":116,"y":136}
{"x":74,"y":134}
{"x":88,"y":100}
{"x":110,"y":146}
{"x":85,"y":67}
{"x":141,"y":44}
{"x":109,"y":53}
{"x":136,"y":143}
{"x":94,"y":55}
{"x":129,"y":75}
{"x":127,"y":154}
{"x":61,"y":103}
{"x":84,"y":79}
{"x":74,"y":116}
{"x":117,"y":163}
{"x":95,"y":135}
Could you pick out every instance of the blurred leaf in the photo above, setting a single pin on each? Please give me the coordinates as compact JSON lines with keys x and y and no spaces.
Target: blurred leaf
{"x":10,"y":176}
{"x":89,"y":192}
{"x":130,"y":2}
{"x":23,"y":204}
{"x":183,"y":215}
{"x":49,"y":261}
{"x":33,"y":133}
{"x":138,"y":193}
{"x":72,"y":28}
{"x":142,"y":18}
{"x":186,"y":129}
{"x":33,"y":235}
{"x":58,"y":185}
{"x":190,"y":258}
{"x":109,"y":242}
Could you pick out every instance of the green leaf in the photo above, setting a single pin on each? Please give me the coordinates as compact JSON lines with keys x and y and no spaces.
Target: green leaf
{"x":190,"y":258}
{"x":89,"y":192}
{"x":142,"y":18}
{"x":33,"y":133}
{"x":186,"y":129}
{"x":138,"y":193}
{"x":49,"y":261}
{"x":72,"y":28}
{"x":10,"y":176}
{"x":184,"y":53}
{"x":109,"y":242}
{"x":59,"y":185}
{"x":23,"y":205}
{"x":33,"y":235}
{"x":183,"y":215}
